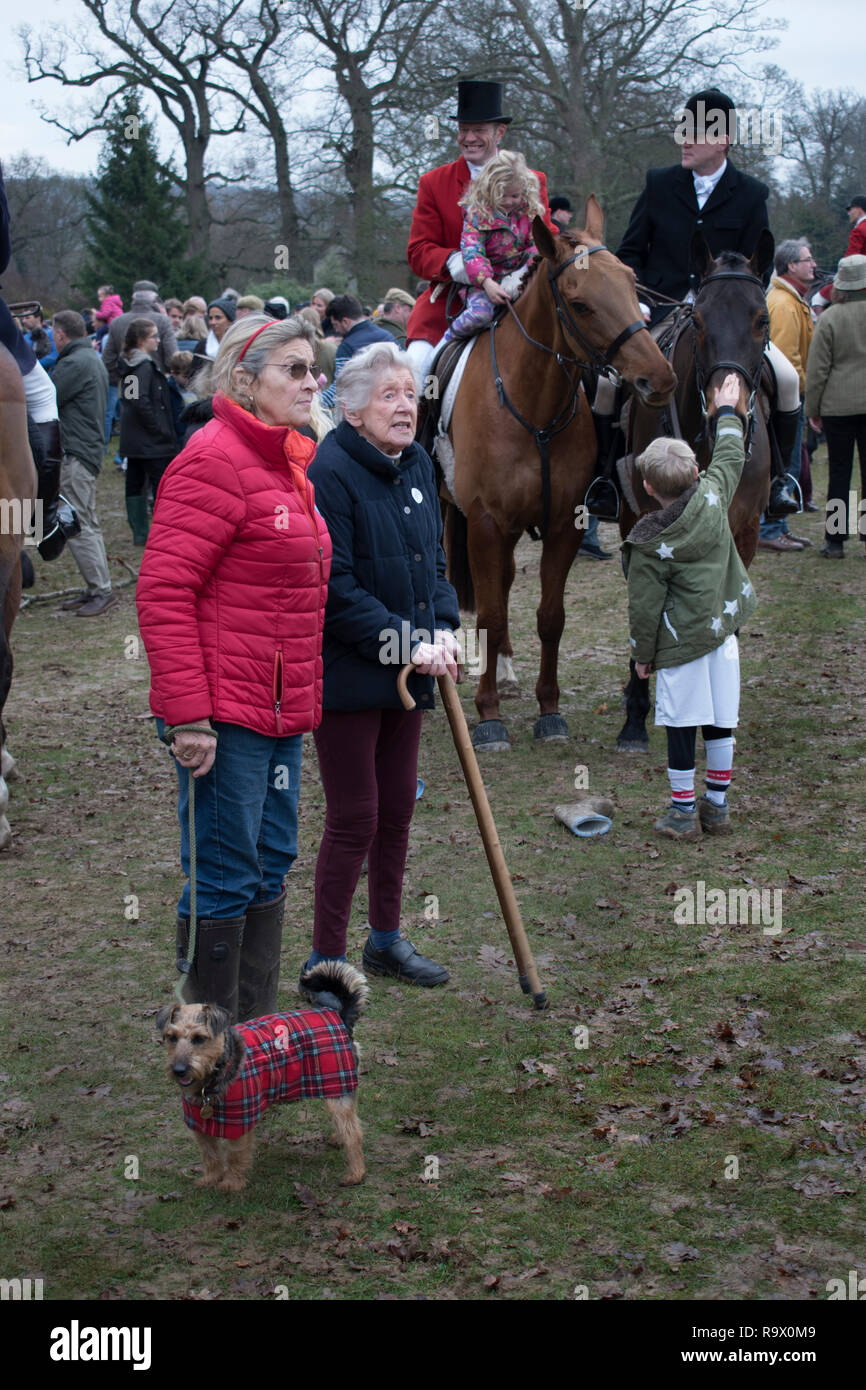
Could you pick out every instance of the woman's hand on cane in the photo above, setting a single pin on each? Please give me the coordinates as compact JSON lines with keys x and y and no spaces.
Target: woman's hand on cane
{"x":195,"y":751}
{"x":434,"y":659}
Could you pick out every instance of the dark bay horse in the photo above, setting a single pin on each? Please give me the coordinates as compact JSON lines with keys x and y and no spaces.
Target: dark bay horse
{"x":17,"y":492}
{"x":525,"y":447}
{"x":726,"y":330}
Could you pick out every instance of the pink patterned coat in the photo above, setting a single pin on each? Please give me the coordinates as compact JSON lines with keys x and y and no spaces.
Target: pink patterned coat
{"x":493,"y":245}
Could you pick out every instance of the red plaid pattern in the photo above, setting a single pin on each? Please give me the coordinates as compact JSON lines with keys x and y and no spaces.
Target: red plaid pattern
{"x":303,"y":1056}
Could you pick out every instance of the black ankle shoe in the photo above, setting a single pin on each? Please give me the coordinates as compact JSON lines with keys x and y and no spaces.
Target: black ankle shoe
{"x":404,"y":963}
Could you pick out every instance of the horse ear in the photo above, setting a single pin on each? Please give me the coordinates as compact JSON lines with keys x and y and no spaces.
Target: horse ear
{"x":762,"y":256}
{"x":702,"y":256}
{"x":593,"y":218}
{"x":543,"y":238}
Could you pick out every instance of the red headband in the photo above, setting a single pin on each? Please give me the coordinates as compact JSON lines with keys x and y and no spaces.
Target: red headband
{"x":253,"y":338}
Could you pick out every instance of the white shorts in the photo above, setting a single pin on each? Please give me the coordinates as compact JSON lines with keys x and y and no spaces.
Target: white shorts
{"x":704,"y":691}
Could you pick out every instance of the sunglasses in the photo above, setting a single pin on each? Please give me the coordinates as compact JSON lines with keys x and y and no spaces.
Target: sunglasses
{"x":296,"y":370}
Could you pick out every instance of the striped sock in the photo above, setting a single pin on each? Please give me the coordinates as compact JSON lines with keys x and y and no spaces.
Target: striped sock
{"x":682,"y":788}
{"x":720,"y":757}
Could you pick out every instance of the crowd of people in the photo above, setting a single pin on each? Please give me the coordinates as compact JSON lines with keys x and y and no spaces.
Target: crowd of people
{"x":292,"y":531}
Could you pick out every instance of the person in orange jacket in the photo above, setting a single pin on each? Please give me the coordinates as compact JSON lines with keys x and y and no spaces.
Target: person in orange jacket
{"x":437,"y":222}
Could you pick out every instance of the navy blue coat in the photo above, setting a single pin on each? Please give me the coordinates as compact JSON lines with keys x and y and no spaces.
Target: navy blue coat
{"x":388,"y":589}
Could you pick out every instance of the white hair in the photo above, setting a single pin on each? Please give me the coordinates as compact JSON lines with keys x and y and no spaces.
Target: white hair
{"x":356,"y":383}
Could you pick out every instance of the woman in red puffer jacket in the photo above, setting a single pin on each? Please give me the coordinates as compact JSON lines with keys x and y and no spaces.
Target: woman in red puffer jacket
{"x":231,"y":601}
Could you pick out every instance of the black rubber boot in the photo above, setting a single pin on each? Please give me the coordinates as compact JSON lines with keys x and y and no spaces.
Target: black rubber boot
{"x":785,"y":497}
{"x":213,"y":978}
{"x":59,"y":521}
{"x":139,"y":521}
{"x":260,"y":959}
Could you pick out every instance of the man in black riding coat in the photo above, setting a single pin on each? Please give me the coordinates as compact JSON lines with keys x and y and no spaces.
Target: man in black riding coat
{"x":705,"y":193}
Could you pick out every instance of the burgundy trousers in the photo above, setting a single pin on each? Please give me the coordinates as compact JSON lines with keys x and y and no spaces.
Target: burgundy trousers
{"x":368,"y":760}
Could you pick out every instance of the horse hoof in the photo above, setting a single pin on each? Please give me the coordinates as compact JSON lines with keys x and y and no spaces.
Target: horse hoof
{"x":550,"y":728}
{"x":632,"y":745}
{"x":491,"y":736}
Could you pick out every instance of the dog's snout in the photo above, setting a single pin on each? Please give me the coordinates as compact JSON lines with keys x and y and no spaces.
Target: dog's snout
{"x":180,"y":1068}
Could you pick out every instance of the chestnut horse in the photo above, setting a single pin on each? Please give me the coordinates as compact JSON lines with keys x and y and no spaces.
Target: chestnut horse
{"x":525,"y":446}
{"x":725,"y":330}
{"x":17,"y":491}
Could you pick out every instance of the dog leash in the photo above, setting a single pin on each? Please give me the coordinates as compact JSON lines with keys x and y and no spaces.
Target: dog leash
{"x":185,"y":965}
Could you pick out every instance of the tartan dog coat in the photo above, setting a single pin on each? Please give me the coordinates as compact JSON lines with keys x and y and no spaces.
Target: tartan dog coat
{"x":302,"y":1056}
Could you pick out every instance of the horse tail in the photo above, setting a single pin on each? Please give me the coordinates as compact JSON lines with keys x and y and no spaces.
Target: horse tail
{"x":457,"y":550}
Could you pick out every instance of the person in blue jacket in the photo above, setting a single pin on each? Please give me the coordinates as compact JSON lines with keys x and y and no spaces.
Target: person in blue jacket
{"x":388,"y":603}
{"x":356,"y":331}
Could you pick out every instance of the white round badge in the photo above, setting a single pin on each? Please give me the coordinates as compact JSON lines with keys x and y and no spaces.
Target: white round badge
{"x":418,"y":496}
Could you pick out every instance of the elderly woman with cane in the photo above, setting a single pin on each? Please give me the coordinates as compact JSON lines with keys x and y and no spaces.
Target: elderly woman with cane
{"x":388,"y":601}
{"x":231,"y":602}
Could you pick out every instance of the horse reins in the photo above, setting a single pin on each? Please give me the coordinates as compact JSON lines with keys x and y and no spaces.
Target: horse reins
{"x":601,"y":361}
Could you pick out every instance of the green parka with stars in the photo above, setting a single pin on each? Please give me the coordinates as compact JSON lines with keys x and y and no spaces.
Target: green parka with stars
{"x":688,"y":589}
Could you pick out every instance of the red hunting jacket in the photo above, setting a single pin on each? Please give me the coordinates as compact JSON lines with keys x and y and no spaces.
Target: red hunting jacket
{"x":303,"y":1056}
{"x":234,"y":580}
{"x":437,"y":225}
{"x":857,"y":240}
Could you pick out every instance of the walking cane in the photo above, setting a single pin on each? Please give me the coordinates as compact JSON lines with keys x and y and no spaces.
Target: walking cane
{"x":527,"y":973}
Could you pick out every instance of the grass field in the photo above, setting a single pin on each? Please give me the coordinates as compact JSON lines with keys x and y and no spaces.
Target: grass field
{"x":702,"y":1135}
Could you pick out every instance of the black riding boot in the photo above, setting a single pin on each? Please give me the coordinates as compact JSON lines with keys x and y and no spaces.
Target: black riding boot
{"x":213,"y":978}
{"x":260,"y":959}
{"x":59,"y":521}
{"x":785,"y":496}
{"x":602,"y":495}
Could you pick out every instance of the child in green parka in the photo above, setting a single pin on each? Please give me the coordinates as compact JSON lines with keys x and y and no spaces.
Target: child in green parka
{"x":688,"y":594}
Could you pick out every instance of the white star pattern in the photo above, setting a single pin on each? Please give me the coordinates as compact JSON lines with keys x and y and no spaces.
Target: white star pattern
{"x":731,"y":607}
{"x":746,"y":590}
{"x":665,"y":552}
{"x":712,"y":497}
{"x":716,"y":624}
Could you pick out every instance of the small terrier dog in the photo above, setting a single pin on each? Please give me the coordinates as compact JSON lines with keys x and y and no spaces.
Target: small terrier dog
{"x":230,"y":1075}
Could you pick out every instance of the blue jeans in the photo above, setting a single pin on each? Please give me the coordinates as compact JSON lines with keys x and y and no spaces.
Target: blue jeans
{"x":246,"y":821}
{"x":771,"y":529}
{"x":110,"y":410}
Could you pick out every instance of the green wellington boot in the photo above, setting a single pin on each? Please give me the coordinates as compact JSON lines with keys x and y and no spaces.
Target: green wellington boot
{"x":136,"y":514}
{"x":260,"y":958}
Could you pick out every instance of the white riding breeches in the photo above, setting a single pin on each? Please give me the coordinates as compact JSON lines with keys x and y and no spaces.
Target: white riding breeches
{"x":41,"y":395}
{"x":420,"y":354}
{"x":787,"y":381}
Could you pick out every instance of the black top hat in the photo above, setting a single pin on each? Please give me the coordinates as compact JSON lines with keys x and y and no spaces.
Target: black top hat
{"x":479,"y":103}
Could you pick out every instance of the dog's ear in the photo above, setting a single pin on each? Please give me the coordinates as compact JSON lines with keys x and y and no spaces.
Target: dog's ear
{"x":165,"y":1016}
{"x":216,"y":1018}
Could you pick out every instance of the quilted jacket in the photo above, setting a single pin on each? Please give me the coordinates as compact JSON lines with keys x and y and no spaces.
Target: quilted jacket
{"x":302,"y":1056}
{"x":234,"y":579}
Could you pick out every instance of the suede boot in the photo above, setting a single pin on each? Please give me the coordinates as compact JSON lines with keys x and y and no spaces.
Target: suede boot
{"x":213,"y":978}
{"x":260,"y":959}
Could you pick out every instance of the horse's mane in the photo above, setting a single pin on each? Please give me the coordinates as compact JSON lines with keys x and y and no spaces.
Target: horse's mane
{"x":569,"y":235}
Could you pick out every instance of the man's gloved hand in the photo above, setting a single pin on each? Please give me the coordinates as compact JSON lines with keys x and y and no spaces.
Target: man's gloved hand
{"x":456,"y":268}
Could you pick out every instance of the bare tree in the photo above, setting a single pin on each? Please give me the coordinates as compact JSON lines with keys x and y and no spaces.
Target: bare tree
{"x":161,"y":51}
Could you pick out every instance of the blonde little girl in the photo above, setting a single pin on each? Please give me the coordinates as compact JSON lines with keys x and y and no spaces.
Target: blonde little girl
{"x":499,"y":206}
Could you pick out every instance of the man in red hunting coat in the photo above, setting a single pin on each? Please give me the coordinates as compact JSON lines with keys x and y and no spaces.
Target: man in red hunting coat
{"x":434,"y":240}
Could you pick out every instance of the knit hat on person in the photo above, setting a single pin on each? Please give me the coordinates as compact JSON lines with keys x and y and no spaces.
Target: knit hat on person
{"x":851,"y":273}
{"x":228,"y":307}
{"x":251,"y":301}
{"x":398,"y":296}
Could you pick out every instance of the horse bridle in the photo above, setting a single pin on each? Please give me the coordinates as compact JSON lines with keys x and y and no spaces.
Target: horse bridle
{"x":752,"y":379}
{"x":600,"y":360}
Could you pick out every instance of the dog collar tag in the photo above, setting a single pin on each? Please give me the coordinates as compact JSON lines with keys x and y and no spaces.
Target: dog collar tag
{"x":206,"y":1110}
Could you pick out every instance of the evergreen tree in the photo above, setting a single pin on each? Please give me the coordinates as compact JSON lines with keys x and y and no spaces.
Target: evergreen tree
{"x":136,"y":228}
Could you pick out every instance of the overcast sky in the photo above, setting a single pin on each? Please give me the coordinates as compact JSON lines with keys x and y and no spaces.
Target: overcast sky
{"x":823,"y":47}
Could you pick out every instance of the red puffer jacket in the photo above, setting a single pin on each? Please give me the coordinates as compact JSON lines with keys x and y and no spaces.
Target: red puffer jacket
{"x":233,"y":582}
